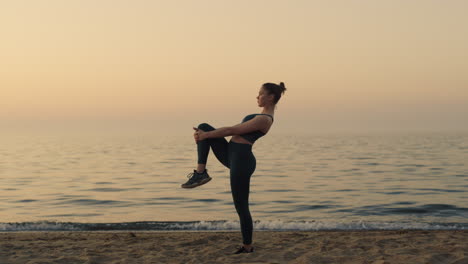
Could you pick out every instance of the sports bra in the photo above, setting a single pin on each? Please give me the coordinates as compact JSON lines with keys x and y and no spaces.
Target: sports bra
{"x":253,"y":136}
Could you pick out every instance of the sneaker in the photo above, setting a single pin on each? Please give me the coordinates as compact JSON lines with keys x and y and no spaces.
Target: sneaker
{"x":196,"y":179}
{"x":243,"y":250}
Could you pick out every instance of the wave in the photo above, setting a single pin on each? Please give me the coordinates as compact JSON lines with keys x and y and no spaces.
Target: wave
{"x":225,"y":225}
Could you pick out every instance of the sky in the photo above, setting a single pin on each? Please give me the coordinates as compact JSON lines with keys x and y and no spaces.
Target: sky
{"x":350,"y":65}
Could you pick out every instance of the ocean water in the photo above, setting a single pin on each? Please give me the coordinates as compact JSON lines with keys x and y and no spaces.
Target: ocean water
{"x":131,"y":181}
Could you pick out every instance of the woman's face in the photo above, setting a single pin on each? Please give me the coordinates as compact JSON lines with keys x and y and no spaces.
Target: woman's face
{"x":264,"y":98}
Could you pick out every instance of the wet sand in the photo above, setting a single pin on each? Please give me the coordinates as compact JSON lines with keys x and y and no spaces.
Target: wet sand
{"x":376,"y":247}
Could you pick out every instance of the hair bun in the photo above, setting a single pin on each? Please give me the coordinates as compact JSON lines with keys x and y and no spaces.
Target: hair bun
{"x":282,"y":86}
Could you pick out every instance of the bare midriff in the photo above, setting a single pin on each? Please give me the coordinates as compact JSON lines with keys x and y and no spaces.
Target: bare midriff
{"x":239,"y":139}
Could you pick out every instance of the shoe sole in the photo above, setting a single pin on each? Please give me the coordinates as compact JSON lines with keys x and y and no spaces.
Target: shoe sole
{"x":197,"y":184}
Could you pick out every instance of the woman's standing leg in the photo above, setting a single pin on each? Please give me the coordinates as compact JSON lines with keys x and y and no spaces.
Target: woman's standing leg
{"x":243,"y":165}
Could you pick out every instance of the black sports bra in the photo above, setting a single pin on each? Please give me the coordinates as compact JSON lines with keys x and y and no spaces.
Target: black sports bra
{"x":253,"y":136}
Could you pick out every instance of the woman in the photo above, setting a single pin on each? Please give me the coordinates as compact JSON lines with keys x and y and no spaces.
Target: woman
{"x":237,"y":154}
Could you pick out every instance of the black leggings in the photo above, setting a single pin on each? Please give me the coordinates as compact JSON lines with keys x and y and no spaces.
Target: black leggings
{"x":241,"y":162}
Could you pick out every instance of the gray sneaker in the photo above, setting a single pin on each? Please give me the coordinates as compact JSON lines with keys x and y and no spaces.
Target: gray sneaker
{"x":196,"y":179}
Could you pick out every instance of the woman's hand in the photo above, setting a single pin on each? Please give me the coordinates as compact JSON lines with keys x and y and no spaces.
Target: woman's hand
{"x":199,"y":134}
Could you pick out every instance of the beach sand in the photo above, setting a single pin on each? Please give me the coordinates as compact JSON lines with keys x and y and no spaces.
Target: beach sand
{"x":376,"y":247}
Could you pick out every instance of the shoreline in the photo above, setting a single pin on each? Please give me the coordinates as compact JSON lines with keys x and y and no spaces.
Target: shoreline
{"x":205,"y":246}
{"x":233,"y":231}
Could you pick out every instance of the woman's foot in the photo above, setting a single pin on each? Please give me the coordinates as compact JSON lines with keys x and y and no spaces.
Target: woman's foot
{"x":196,"y":179}
{"x":244,"y":250}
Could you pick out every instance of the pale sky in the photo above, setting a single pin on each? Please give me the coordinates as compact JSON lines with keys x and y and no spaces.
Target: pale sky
{"x":348,"y":65}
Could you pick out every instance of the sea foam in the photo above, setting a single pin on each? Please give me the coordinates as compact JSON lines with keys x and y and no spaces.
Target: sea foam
{"x":227,"y":225}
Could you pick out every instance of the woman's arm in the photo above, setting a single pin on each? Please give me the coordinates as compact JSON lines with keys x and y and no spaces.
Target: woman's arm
{"x":219,"y":132}
{"x":256,"y":123}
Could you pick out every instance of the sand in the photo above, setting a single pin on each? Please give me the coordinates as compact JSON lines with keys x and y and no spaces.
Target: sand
{"x":376,"y":247}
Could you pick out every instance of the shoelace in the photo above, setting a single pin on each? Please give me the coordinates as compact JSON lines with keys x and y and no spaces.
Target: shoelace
{"x":190,"y":175}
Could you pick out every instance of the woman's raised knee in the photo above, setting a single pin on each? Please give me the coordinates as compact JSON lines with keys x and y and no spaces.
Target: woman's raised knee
{"x":205,"y":127}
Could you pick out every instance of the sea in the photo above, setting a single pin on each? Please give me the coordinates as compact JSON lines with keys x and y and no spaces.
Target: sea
{"x":303,"y":182}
